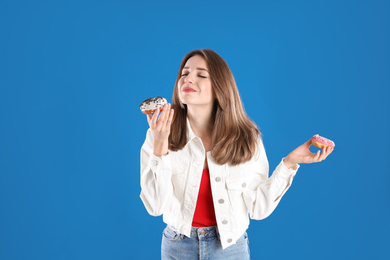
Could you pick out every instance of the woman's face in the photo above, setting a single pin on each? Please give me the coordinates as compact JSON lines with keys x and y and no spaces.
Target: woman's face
{"x":194,"y":85}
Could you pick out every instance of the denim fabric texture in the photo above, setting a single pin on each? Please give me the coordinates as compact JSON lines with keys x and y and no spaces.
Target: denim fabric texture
{"x":203,"y":244}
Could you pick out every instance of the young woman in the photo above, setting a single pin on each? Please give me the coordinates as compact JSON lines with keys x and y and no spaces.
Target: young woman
{"x":204,"y":166}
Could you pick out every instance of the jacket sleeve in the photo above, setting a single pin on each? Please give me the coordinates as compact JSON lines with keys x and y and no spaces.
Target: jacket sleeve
{"x":156,"y":184}
{"x":264,"y":194}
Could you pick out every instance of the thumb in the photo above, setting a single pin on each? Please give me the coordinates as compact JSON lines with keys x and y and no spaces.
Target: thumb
{"x":308,"y":143}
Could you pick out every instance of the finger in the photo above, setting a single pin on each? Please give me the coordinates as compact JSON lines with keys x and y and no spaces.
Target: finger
{"x":155,"y":116}
{"x":162,"y":118}
{"x":330,"y":150}
{"x":165,"y":114}
{"x":317,"y":157}
{"x":170,"y":118}
{"x":322,"y":157}
{"x":152,"y":120}
{"x":326,"y":153}
{"x":149,"y":118}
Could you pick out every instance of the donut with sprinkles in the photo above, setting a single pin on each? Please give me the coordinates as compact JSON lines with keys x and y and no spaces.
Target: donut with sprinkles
{"x":151,"y":105}
{"x":321,"y":142}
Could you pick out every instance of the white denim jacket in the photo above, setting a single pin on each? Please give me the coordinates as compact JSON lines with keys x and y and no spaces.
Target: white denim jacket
{"x":170,"y":185}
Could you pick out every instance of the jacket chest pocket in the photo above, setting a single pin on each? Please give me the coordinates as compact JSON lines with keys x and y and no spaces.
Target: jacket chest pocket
{"x":235,"y":188}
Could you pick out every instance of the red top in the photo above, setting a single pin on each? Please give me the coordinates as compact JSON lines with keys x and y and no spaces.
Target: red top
{"x":204,"y":215}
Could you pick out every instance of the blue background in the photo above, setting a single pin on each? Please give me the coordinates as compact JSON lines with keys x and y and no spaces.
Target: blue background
{"x":72,"y":76}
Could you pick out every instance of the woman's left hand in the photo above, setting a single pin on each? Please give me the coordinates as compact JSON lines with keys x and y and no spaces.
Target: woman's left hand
{"x":302,"y":154}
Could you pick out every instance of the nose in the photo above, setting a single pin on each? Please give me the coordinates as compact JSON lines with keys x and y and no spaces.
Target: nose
{"x":189,"y":78}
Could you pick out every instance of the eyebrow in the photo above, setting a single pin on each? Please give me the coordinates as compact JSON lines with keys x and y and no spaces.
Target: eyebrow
{"x":196,"y":68}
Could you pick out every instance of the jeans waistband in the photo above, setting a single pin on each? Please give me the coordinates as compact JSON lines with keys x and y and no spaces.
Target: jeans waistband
{"x":204,"y":231}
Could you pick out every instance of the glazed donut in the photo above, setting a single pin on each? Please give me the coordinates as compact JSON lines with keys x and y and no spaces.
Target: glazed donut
{"x":321,"y":142}
{"x":151,"y":105}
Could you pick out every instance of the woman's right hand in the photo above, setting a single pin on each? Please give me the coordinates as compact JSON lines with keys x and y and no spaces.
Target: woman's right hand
{"x":160,"y":129}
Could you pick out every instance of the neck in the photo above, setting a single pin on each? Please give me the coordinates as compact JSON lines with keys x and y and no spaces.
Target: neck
{"x":201,"y":121}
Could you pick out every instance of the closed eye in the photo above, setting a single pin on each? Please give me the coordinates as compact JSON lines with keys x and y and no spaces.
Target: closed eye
{"x":200,"y":76}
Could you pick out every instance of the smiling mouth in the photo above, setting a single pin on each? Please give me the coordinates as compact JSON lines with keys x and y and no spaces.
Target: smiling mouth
{"x":187,"y":89}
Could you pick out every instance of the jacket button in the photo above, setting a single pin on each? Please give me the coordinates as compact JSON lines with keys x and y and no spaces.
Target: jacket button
{"x":243,"y":185}
{"x":218,"y":179}
{"x":229,"y":240}
{"x":154,"y":163}
{"x":221,"y":201}
{"x":224,"y":221}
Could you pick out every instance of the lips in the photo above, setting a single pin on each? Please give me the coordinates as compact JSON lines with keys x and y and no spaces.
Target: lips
{"x":188,"y":89}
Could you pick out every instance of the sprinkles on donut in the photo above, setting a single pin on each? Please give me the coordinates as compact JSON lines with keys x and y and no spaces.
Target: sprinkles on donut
{"x":321,"y":142}
{"x":151,"y":105}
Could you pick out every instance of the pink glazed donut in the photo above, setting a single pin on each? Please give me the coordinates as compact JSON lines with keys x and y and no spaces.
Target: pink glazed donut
{"x":321,"y":142}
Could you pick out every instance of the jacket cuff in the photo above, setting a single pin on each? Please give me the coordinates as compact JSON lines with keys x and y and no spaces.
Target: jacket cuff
{"x":160,"y":163}
{"x":287,"y":171}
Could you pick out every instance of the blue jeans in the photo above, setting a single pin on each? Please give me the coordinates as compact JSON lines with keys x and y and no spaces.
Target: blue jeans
{"x":204,"y":243}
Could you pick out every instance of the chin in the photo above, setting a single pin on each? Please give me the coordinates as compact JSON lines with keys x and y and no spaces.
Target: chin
{"x":184,"y":100}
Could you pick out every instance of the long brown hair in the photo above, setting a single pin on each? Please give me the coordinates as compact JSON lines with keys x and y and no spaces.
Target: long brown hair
{"x":235,"y":137}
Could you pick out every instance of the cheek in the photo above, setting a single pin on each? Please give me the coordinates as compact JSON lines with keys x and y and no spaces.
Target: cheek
{"x":179,"y":84}
{"x":179,"y":94}
{"x":210,"y":91}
